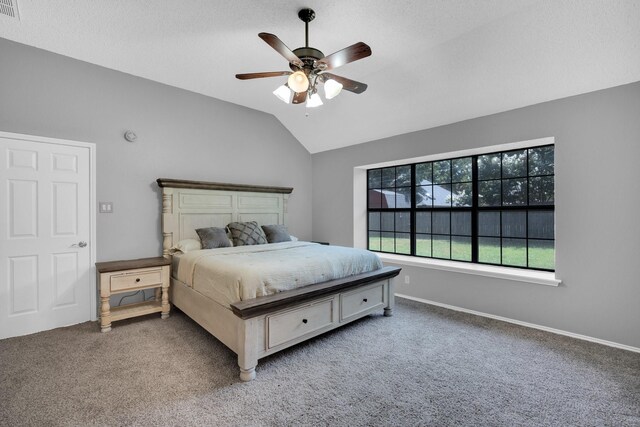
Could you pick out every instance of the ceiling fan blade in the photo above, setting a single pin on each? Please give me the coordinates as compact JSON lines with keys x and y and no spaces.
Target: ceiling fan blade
{"x":299,"y":97}
{"x":273,"y":41}
{"x":347,"y":84}
{"x":348,"y":54}
{"x":248,"y":76}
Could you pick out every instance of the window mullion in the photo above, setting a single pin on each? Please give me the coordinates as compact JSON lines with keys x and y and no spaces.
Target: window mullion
{"x":451,"y":209}
{"x":412,"y":214}
{"x":526,"y":217}
{"x":474,"y":209}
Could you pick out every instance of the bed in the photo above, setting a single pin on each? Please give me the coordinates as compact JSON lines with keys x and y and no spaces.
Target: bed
{"x":263,"y":320}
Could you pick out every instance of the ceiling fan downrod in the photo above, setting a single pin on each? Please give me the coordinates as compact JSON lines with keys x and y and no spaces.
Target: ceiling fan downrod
{"x":306,"y":15}
{"x":308,"y":55}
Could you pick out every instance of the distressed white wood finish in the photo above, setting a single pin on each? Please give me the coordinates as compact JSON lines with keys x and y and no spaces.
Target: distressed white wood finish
{"x":300,"y":321}
{"x":134,"y":276}
{"x":257,"y":337}
{"x":46,"y":190}
{"x":361,"y":300}
{"x":185,"y":209}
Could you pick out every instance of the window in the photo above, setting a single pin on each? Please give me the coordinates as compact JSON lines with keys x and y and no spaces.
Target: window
{"x":390,"y":224}
{"x":495,"y":208}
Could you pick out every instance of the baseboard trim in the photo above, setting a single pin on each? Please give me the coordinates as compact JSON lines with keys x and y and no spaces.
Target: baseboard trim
{"x":526,"y":324}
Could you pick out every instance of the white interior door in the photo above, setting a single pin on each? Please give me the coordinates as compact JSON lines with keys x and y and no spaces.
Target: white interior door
{"x":45,"y":235}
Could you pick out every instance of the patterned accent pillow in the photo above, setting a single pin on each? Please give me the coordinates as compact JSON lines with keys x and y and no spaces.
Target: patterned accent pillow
{"x":276,"y":233}
{"x":247,"y":233}
{"x":213,"y":237}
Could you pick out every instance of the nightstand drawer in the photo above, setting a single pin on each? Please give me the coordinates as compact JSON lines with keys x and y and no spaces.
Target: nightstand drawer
{"x":136,"y":279}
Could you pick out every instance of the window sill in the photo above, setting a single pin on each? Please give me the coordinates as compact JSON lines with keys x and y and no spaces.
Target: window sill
{"x":529,"y":276}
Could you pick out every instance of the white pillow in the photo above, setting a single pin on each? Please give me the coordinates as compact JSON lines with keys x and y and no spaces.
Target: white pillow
{"x":293,"y":238}
{"x":186,"y":245}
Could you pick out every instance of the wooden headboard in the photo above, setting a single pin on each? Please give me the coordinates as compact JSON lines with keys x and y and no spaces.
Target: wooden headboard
{"x":188,"y":205}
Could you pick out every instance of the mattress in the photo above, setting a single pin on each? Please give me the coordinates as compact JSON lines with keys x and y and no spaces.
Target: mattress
{"x":229,"y":275}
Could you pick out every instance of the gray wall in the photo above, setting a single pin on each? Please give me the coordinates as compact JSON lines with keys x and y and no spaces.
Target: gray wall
{"x":180,"y":135}
{"x":189,"y":136}
{"x":597,"y":210}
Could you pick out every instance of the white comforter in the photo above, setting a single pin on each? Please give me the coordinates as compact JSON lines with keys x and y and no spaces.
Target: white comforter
{"x":229,"y":275}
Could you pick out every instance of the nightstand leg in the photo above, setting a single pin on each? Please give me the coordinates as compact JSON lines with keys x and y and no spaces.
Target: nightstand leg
{"x":105,"y":314}
{"x":165,"y":302}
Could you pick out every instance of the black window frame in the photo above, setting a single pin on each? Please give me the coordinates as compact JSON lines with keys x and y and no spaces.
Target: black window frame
{"x":476,"y":236}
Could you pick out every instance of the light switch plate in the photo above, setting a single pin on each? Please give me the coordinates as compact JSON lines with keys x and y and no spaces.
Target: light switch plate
{"x":105,"y":207}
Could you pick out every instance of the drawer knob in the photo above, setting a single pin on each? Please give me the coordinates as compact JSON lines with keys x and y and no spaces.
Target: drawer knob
{"x":364,"y":300}
{"x":137,"y":279}
{"x":304,"y":320}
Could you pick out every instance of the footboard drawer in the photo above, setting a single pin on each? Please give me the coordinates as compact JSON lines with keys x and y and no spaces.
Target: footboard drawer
{"x":296,"y":323}
{"x":356,"y":302}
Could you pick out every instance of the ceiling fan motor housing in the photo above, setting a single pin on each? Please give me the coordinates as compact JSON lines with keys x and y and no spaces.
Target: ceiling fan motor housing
{"x":308,"y":55}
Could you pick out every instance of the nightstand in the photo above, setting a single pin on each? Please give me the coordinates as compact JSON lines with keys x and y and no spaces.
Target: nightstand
{"x":116,"y":277}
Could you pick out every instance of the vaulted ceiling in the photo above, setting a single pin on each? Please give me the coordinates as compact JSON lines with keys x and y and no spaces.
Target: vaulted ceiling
{"x":434,"y":61}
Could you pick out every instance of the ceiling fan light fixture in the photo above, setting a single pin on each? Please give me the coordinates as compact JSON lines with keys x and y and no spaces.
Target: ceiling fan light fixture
{"x":309,"y":68}
{"x":298,"y":82}
{"x":314,"y":101}
{"x":332,"y":88}
{"x":284,"y":94}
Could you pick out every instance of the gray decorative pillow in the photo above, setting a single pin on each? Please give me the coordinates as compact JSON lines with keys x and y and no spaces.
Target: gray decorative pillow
{"x":247,"y":233}
{"x":213,"y":237}
{"x":276,"y":233}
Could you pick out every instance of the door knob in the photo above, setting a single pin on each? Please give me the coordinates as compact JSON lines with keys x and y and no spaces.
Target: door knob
{"x":80,"y":244}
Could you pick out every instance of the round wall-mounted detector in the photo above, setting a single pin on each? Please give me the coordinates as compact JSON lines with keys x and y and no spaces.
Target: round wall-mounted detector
{"x":130,"y":136}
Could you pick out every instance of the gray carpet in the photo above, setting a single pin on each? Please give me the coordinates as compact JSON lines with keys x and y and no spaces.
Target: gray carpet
{"x":424,"y":366}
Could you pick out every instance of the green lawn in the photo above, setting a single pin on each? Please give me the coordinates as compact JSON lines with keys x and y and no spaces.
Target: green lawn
{"x":514,"y":253}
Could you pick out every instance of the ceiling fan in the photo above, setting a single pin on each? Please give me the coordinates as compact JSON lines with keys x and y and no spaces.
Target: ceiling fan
{"x":310,"y":68}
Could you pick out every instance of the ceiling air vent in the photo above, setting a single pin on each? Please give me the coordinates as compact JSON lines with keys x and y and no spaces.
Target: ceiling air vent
{"x":9,"y":8}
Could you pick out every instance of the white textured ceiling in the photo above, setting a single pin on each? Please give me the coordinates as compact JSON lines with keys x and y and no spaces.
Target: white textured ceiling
{"x":434,"y":61}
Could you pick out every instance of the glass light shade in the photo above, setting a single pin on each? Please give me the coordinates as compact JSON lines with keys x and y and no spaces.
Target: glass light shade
{"x":298,"y":82}
{"x":283,"y":93}
{"x":332,"y":88}
{"x":314,"y":101}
